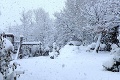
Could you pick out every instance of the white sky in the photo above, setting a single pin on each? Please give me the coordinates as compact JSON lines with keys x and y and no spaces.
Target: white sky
{"x":11,"y":9}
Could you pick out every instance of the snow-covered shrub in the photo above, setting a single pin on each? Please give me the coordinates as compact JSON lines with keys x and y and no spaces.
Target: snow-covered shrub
{"x":8,"y":46}
{"x":35,"y":50}
{"x":25,"y":50}
{"x":14,"y":74}
{"x":102,"y":47}
{"x":91,"y":47}
{"x":114,"y":48}
{"x":6,"y":51}
{"x":114,"y":63}
{"x":46,"y":51}
{"x":74,"y":43}
{"x":55,"y":51}
{"x":31,"y":51}
{"x":108,"y":64}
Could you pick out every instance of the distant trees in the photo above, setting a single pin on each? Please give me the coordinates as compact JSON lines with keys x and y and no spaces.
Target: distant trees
{"x":27,"y":24}
{"x":36,"y":25}
{"x":84,"y":18}
{"x":70,"y":22}
{"x":63,"y":23}
{"x":44,"y":28}
{"x":80,"y":18}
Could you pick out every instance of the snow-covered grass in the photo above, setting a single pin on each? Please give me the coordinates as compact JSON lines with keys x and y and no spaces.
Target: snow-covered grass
{"x":73,"y":63}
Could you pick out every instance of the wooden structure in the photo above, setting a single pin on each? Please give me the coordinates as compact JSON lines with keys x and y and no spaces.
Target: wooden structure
{"x":21,"y":44}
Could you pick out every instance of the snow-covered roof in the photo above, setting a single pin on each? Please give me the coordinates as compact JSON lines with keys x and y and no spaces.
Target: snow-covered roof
{"x":9,"y":33}
{"x":31,"y":43}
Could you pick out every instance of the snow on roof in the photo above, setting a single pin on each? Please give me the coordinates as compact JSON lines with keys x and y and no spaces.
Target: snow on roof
{"x":9,"y":33}
{"x":31,"y":43}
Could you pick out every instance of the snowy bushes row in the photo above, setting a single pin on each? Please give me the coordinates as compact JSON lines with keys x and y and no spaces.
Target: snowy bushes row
{"x":37,"y":50}
{"x":93,"y":45}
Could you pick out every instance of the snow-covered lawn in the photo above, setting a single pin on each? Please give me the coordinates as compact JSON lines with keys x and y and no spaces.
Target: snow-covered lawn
{"x":73,"y":63}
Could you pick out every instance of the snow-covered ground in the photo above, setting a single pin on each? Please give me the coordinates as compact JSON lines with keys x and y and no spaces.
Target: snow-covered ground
{"x":73,"y":63}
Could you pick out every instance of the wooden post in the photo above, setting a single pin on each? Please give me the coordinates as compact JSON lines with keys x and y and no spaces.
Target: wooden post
{"x":21,"y":41}
{"x":40,"y":48}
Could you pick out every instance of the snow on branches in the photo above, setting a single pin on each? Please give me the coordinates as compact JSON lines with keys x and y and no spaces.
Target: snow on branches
{"x":6,"y":51}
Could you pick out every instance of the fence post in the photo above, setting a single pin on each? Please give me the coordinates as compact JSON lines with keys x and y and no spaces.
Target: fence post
{"x":21,"y":41}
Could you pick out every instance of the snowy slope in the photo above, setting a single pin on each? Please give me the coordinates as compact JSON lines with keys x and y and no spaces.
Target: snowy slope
{"x":73,"y":64}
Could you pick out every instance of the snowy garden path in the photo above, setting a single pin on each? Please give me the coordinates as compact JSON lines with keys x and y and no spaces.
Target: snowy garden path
{"x":74,"y":63}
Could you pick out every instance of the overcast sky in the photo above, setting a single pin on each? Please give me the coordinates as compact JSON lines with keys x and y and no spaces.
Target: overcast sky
{"x":11,"y":9}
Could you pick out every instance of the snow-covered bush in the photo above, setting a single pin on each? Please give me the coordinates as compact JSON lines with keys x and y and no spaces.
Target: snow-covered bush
{"x":35,"y":50}
{"x":74,"y":43}
{"x":91,"y":47}
{"x":8,"y":46}
{"x":102,"y":47}
{"x":46,"y":51}
{"x":114,"y":48}
{"x":55,"y":51}
{"x":114,"y":63}
{"x":6,"y":51}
